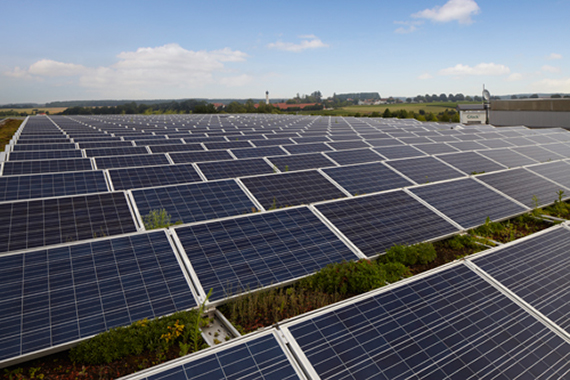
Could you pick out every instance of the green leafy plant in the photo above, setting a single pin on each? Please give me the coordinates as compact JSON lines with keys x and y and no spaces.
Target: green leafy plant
{"x":421,"y":253}
{"x":158,"y":219}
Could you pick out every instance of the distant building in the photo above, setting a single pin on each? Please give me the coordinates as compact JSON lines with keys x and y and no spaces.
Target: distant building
{"x":472,"y":113}
{"x":536,"y":113}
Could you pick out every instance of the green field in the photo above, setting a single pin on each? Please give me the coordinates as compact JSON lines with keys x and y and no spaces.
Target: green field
{"x":30,"y":111}
{"x":435,"y":107}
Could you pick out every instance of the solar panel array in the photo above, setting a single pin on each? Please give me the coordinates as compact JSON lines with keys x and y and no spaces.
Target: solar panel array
{"x":72,"y":186}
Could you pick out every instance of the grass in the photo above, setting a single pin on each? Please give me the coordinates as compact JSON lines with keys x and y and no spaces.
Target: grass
{"x":435,"y":107}
{"x":7,"y":130}
{"x":30,"y":111}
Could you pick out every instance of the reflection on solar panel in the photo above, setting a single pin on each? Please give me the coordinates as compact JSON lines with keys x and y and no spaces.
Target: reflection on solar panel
{"x":212,"y":155}
{"x":558,"y":172}
{"x":507,"y":157}
{"x":559,"y":148}
{"x":150,"y":176}
{"x":523,"y":186}
{"x":259,"y":152}
{"x":131,"y":161}
{"x":44,"y":155}
{"x":375,"y":223}
{"x":301,"y":162}
{"x":261,"y":357}
{"x":538,"y":153}
{"x":357,"y":156}
{"x":466,"y":145}
{"x":194,"y":202}
{"x":519,"y":141}
{"x":235,"y":168}
{"x":404,"y":151}
{"x":537,"y":271}
{"x":450,"y":325}
{"x":441,"y":139}
{"x":29,"y":224}
{"x":306,"y":148}
{"x":291,"y":189}
{"x":436,"y":148}
{"x":367,"y":178}
{"x":55,"y":296}
{"x":468,"y":202}
{"x":51,"y":185}
{"x":497,"y":143}
{"x":46,"y":166}
{"x":237,"y":255}
{"x":425,"y":169}
{"x":470,"y":162}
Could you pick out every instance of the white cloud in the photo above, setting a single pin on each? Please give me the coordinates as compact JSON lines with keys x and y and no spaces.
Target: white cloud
{"x":554,"y":56}
{"x":480,"y":69}
{"x":454,"y":10}
{"x":425,"y":76}
{"x":409,"y":26}
{"x":514,"y":77}
{"x":553,"y":85}
{"x":145,"y":70}
{"x":236,"y":81}
{"x":308,"y":42}
{"x":550,"y":69}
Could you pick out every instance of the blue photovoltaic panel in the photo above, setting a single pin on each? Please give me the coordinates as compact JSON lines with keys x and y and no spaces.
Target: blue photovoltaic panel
{"x":343,"y":145}
{"x":468,"y":202}
{"x":131,"y":161}
{"x":519,"y":141}
{"x":560,"y":148}
{"x":30,"y":147}
{"x":425,"y":169}
{"x":104,"y":144}
{"x":56,"y":296}
{"x":450,"y":325}
{"x":357,"y":156}
{"x":508,"y":157}
{"x":558,"y":172}
{"x":124,"y":151}
{"x":151,"y":176}
{"x":46,"y":166}
{"x":436,"y":148}
{"x":415,"y":140}
{"x":537,"y":271}
{"x":496,"y":143}
{"x":301,"y":162}
{"x":404,"y":151}
{"x":367,"y":178}
{"x":384,"y":142}
{"x":259,"y":358}
{"x":272,"y":142}
{"x":471,"y":162}
{"x":37,"y":223}
{"x":258,"y":152}
{"x":234,"y":168}
{"x":51,"y":185}
{"x":228,"y":144}
{"x":466,"y":145}
{"x":194,"y":202}
{"x":538,"y":153}
{"x":524,"y":186}
{"x":212,"y":155}
{"x":44,"y":155}
{"x":377,"y":222}
{"x":306,"y":148}
{"x":176,"y":148}
{"x":291,"y":189}
{"x":242,"y":254}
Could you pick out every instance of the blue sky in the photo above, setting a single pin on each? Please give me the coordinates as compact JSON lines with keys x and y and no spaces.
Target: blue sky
{"x":71,"y":50}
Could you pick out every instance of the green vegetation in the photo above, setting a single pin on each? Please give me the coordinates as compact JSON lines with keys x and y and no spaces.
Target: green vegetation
{"x":158,"y":219}
{"x":7,"y":130}
{"x":422,"y":253}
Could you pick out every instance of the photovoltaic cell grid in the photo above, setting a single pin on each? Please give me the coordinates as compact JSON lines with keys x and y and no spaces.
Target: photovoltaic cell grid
{"x":468,"y":202}
{"x":131,"y":161}
{"x":425,"y":169}
{"x":291,"y":189}
{"x":357,"y":156}
{"x":538,"y":153}
{"x":194,"y":202}
{"x":55,"y":296}
{"x":213,"y":155}
{"x":436,"y":148}
{"x":46,"y":166}
{"x":537,"y":271}
{"x":234,"y":168}
{"x":237,"y":255}
{"x":367,"y":178}
{"x":377,"y":222}
{"x":470,"y":162}
{"x":404,"y":151}
{"x":51,"y":185}
{"x":36,"y":223}
{"x":151,"y":176}
{"x":259,"y":152}
{"x":508,"y":157}
{"x":306,"y":148}
{"x":301,"y":162}
{"x":259,"y":358}
{"x":44,"y":155}
{"x":523,"y":186}
{"x":451,"y":325}
{"x":558,"y":172}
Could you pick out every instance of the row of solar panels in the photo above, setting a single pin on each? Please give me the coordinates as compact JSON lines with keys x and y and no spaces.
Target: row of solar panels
{"x":501,"y":314}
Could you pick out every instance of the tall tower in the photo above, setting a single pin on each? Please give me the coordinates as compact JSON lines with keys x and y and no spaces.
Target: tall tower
{"x":266,"y":97}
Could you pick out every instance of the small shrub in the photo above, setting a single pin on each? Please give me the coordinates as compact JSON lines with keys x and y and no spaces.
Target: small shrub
{"x":408,"y":255}
{"x":158,"y":219}
{"x":395,"y":271}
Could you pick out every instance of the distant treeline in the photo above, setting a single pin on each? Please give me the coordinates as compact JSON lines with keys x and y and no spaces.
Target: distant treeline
{"x":357,"y":96}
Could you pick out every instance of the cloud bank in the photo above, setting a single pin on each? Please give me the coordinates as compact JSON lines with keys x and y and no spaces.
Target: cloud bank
{"x":308,"y":42}
{"x":454,"y":10}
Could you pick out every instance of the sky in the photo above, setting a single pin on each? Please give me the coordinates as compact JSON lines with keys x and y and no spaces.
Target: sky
{"x":92,"y":50}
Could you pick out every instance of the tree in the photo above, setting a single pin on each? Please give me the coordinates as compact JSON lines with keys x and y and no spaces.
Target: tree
{"x":451,"y":97}
{"x":235,"y":107}
{"x":408,"y":100}
{"x":387,"y":113}
{"x":514,"y":97}
{"x":556,"y":96}
{"x":249,"y":106}
{"x":443,"y":98}
{"x":534,"y":96}
{"x":459,"y":97}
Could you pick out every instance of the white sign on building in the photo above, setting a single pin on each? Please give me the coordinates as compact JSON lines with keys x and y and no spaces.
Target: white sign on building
{"x":472,"y":117}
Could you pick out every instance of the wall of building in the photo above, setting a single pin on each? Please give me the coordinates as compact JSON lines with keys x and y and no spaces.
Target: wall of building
{"x":536,"y":113}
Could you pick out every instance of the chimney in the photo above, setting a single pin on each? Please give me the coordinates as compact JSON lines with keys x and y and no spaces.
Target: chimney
{"x":266,"y":97}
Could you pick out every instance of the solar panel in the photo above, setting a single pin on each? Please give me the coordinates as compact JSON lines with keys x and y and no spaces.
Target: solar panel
{"x":558,"y":172}
{"x":523,"y":186}
{"x":211,"y":155}
{"x":367,"y":178}
{"x":470,"y":162}
{"x":31,"y":147}
{"x":151,"y":176}
{"x":272,"y":142}
{"x":519,"y":141}
{"x":404,"y":151}
{"x":259,"y":152}
{"x":194,"y":202}
{"x":59,"y":295}
{"x":466,"y":145}
{"x":375,"y":223}
{"x":436,"y":148}
{"x":301,"y":162}
{"x":36,"y":223}
{"x":560,"y":148}
{"x":176,"y":148}
{"x":442,"y":139}
{"x":356,"y":156}
{"x":51,"y":185}
{"x":384,"y":142}
{"x":537,"y":271}
{"x":343,"y":145}
{"x":259,"y":357}
{"x":415,"y":140}
{"x":124,"y":151}
{"x":46,"y":166}
{"x":538,"y":153}
{"x":425,"y":169}
{"x":44,"y":155}
{"x":507,"y":157}
{"x":291,"y":189}
{"x":306,"y":148}
{"x":243,"y":254}
{"x":235,"y":168}
{"x":104,"y":144}
{"x":227,"y":144}
{"x":450,"y":325}
{"x":131,"y":161}
{"x":468,"y":202}
{"x":496,"y":143}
